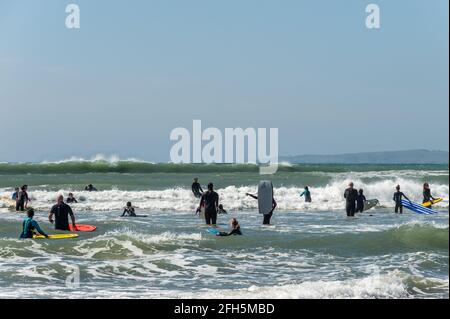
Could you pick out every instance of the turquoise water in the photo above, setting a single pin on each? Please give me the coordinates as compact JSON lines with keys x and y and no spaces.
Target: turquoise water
{"x":311,"y":251}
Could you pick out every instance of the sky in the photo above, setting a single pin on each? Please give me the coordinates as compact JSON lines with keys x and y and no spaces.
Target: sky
{"x":136,"y":70}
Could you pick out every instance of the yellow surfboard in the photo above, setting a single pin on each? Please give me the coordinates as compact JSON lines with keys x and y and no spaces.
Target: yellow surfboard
{"x":56,"y":236}
{"x":432,"y":202}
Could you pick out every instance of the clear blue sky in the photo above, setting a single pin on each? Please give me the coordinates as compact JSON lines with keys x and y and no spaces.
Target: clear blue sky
{"x":137,"y":69}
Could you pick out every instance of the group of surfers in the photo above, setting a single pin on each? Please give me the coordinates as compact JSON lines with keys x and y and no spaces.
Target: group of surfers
{"x":209,"y":204}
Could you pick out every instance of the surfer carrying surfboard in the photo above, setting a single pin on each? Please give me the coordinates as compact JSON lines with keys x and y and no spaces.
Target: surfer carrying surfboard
{"x":267,"y":216}
{"x":398,"y":195}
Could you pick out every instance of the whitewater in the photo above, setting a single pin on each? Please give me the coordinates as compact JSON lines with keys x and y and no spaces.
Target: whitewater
{"x":312,"y":250}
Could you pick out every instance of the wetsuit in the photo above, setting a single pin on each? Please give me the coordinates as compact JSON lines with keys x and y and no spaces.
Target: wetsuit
{"x":222,"y":211}
{"x":71,"y":200}
{"x":61,"y":212}
{"x":22,"y":198}
{"x":307,"y":194}
{"x":350,"y":195}
{"x":360,"y":203}
{"x":29,"y":225}
{"x":427,"y":197}
{"x":398,"y":201}
{"x":235,"y":231}
{"x":210,"y":200}
{"x":129,"y":211}
{"x":197,"y":189}
{"x":90,"y":189}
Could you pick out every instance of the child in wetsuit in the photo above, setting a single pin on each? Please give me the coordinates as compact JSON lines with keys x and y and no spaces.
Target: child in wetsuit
{"x":235,"y":229}
{"x":360,"y":199}
{"x":307,"y":194}
{"x":129,"y":210}
{"x":29,"y":225}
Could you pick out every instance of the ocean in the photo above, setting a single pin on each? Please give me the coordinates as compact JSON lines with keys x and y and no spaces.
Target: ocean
{"x":312,"y":250}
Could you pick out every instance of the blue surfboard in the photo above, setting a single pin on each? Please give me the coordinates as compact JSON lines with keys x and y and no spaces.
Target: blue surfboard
{"x":213,"y":231}
{"x":419,"y":209}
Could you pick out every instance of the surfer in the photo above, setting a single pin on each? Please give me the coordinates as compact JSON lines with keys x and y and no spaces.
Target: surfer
{"x":268,"y":216}
{"x":210,"y":200}
{"x":29,"y":225}
{"x":22,"y":199}
{"x":71,"y":199}
{"x":61,"y":211}
{"x":90,"y":188}
{"x":307,"y":195}
{"x":350,"y":195}
{"x":15,"y":195}
{"x":197,"y":188}
{"x":222,"y":210}
{"x":129,"y":210}
{"x":235,"y":229}
{"x":427,"y":197}
{"x":398,"y":195}
{"x":360,"y":200}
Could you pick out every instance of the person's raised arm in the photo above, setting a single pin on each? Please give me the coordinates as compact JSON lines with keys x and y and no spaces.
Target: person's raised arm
{"x":251,"y":195}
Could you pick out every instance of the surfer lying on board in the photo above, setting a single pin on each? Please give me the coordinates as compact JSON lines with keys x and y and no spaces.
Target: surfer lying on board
{"x":29,"y":225}
{"x":61,"y":211}
{"x":427,"y":197}
{"x":360,"y":200}
{"x":129,"y":210}
{"x":197,"y":188}
{"x":210,"y":200}
{"x":267,"y":217}
{"x":307,"y":195}
{"x":235,"y":229}
{"x":398,"y":200}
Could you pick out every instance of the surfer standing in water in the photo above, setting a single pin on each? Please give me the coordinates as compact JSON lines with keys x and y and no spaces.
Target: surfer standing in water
{"x":197,"y":188}
{"x":90,"y":188}
{"x":427,"y":197}
{"x":398,"y":195}
{"x":29,"y":225}
{"x":268,"y":216}
{"x":360,"y":200}
{"x":350,"y":195}
{"x":210,"y":200}
{"x":129,"y":210}
{"x":22,"y":199}
{"x":307,"y":195}
{"x":71,"y":199}
{"x":61,"y":211}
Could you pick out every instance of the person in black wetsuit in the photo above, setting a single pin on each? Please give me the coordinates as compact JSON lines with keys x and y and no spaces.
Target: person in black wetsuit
{"x":268,"y":216}
{"x":129,"y":210}
{"x":71,"y":199}
{"x":427,"y":197}
{"x":61,"y":211}
{"x":210,"y":200}
{"x":350,"y":196}
{"x":235,"y":229}
{"x":29,"y":226}
{"x":398,"y":195}
{"x":90,"y":188}
{"x":360,"y":200}
{"x":197,"y":188}
{"x":22,"y":199}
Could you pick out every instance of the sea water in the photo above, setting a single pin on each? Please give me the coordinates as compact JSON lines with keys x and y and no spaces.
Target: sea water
{"x":312,"y":250}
